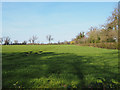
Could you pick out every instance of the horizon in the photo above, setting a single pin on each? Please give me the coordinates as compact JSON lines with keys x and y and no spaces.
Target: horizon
{"x":63,"y":20}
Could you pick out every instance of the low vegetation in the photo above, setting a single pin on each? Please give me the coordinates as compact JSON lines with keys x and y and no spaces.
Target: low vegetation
{"x":59,"y":66}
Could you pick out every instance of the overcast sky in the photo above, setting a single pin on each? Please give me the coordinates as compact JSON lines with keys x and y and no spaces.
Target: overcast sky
{"x":62,"y":20}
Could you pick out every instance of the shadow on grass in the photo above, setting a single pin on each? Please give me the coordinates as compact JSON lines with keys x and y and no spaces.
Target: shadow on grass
{"x":49,"y":69}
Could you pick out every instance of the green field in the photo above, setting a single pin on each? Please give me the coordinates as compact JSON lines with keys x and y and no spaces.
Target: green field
{"x":61,"y":66}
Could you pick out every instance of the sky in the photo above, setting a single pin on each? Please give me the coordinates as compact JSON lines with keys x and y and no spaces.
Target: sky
{"x":62,"y":20}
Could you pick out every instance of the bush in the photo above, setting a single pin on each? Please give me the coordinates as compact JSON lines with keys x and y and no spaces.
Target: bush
{"x":102,"y":45}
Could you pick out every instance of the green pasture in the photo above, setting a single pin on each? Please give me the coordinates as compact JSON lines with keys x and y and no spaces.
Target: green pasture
{"x":58,"y":66}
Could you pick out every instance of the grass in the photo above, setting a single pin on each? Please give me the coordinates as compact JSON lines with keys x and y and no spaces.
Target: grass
{"x":59,"y":66}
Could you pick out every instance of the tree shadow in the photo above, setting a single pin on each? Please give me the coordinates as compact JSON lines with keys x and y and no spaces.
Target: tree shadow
{"x":69,"y":69}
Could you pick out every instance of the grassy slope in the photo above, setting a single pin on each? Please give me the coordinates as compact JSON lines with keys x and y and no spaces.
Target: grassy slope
{"x":58,"y":66}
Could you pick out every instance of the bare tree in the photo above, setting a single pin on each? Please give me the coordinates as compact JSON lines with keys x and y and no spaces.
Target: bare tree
{"x":33,"y":39}
{"x":6,"y":40}
{"x":49,"y":38}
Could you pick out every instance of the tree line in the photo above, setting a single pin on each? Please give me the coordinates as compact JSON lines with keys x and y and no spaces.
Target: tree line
{"x":32,"y":40}
{"x":104,"y":36}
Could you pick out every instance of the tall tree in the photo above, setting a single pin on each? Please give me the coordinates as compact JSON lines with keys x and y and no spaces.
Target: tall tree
{"x":111,"y":28}
{"x":112,"y":21}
